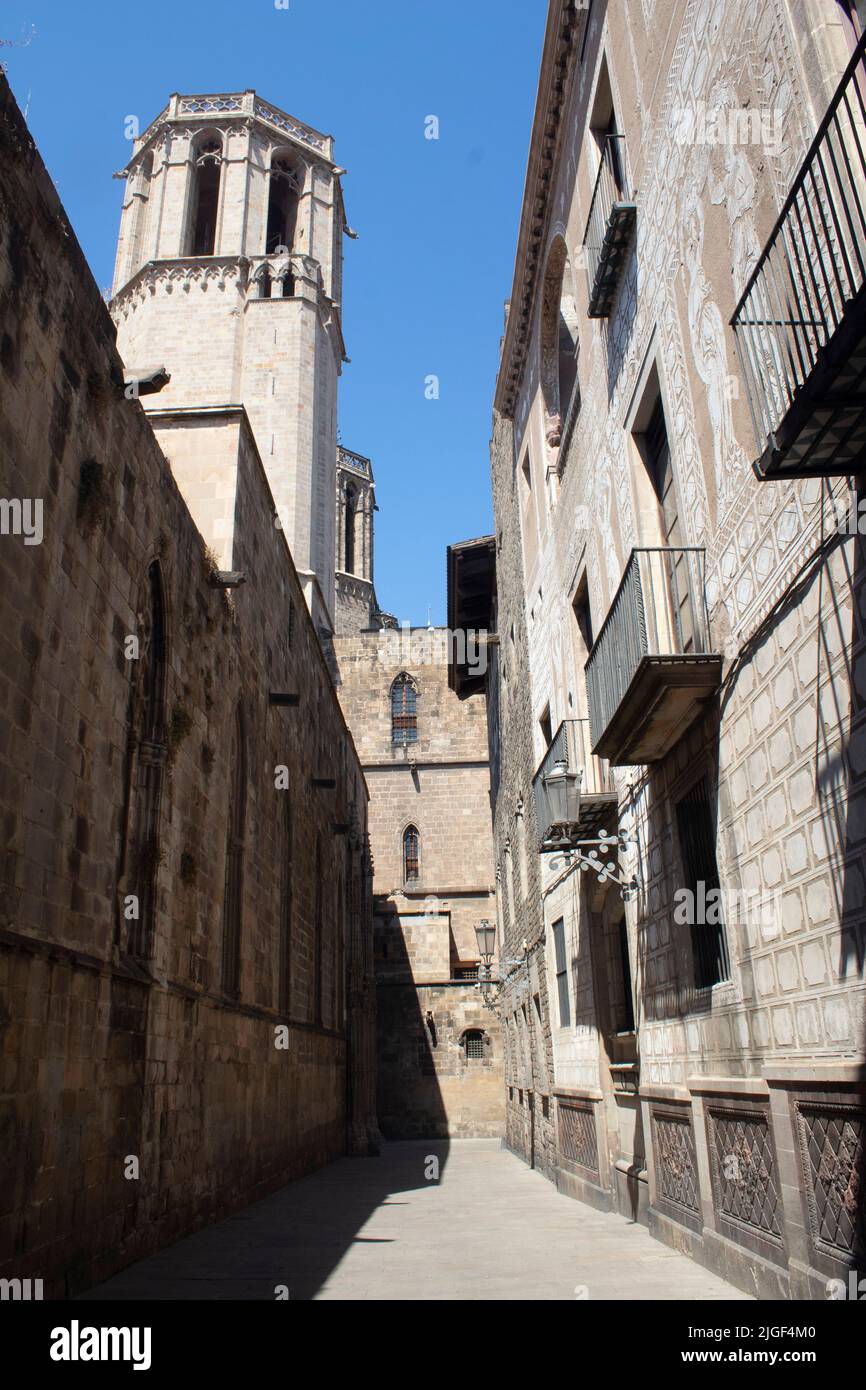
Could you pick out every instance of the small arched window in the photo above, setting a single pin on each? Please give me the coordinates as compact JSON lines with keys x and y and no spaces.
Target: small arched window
{"x":404,"y":710}
{"x":411,"y":854}
{"x":204,"y":200}
{"x":473,"y":1044}
{"x":283,"y":195}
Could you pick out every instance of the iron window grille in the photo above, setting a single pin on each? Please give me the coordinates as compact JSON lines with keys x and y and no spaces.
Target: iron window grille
{"x":404,"y":711}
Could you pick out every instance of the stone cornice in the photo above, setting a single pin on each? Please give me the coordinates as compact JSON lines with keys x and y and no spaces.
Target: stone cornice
{"x":566,"y":24}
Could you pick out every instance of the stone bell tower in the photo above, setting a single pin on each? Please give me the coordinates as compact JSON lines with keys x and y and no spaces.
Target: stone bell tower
{"x":356,"y":607}
{"x":228,"y":275}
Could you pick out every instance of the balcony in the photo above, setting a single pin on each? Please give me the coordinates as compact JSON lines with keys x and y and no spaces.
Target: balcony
{"x":609,"y":229}
{"x":800,"y":326}
{"x":598,"y":800}
{"x":652,"y":667}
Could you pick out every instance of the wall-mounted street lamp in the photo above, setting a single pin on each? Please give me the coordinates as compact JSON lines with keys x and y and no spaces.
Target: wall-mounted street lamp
{"x":485,"y":935}
{"x":560,"y":798}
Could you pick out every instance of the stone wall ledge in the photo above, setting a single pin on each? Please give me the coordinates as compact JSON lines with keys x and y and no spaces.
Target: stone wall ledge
{"x":846,"y":1072}
{"x":728,"y":1085}
{"x":652,"y":1091}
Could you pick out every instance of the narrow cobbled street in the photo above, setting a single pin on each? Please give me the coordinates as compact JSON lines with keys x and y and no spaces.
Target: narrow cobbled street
{"x":490,"y":1228}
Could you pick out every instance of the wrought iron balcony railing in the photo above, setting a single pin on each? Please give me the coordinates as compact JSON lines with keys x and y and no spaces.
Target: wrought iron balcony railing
{"x":652,"y":665}
{"x":609,"y":228}
{"x":571,"y":745}
{"x":800,"y":326}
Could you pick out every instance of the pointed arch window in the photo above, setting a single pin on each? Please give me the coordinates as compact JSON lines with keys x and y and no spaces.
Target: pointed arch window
{"x":350,"y":523}
{"x":411,"y":854}
{"x":284,"y":191}
{"x":265,"y":284}
{"x":149,"y":742}
{"x":236,"y":828}
{"x":404,"y":710}
{"x":205,"y":194}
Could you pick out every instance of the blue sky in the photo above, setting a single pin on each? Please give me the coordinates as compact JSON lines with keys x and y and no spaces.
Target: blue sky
{"x":426,"y":282}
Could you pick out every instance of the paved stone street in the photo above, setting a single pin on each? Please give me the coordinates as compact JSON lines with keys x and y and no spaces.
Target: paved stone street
{"x":377,"y":1229}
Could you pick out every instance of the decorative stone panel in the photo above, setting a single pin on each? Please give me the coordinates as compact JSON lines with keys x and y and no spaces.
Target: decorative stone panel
{"x":745,"y":1176}
{"x":832,"y":1141}
{"x":577,"y":1136}
{"x":676,"y":1171}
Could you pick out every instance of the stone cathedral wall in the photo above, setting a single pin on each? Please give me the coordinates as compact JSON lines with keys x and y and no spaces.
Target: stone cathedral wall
{"x":106,"y":1057}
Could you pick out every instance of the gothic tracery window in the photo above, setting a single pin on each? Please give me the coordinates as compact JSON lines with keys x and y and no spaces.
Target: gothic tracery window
{"x":284,"y":189}
{"x":411,"y":854}
{"x":350,"y":523}
{"x":404,"y":710}
{"x":204,"y":196}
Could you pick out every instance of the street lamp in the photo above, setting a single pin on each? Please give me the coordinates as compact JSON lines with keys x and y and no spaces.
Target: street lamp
{"x":485,"y":935}
{"x":562,"y":792}
{"x":559,"y":808}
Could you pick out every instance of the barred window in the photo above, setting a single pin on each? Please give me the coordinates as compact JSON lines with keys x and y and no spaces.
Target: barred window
{"x":473,"y":1044}
{"x":404,"y":710}
{"x":411,"y":854}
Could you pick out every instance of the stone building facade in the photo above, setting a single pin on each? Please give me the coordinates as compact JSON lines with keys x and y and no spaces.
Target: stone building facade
{"x":424,"y":754}
{"x":186,"y":997}
{"x":680,"y":617}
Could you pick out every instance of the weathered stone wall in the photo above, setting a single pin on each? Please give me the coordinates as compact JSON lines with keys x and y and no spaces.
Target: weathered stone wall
{"x":427,"y":1086}
{"x":109,"y":1052}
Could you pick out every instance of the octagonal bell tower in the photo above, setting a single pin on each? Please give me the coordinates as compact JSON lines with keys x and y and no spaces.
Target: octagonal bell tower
{"x":229,"y":274}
